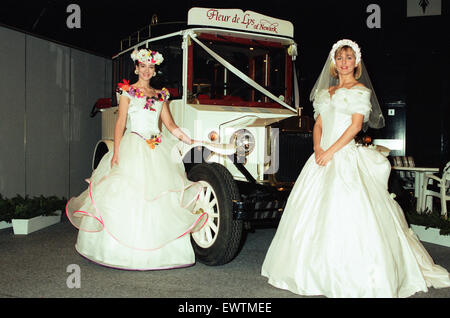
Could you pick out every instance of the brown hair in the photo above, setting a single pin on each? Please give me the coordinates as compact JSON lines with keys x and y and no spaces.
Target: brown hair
{"x":357,"y":71}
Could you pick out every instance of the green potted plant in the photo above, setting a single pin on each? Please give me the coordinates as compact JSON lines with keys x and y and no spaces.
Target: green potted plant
{"x":429,"y":226}
{"x":6,"y":209}
{"x":31,"y":214}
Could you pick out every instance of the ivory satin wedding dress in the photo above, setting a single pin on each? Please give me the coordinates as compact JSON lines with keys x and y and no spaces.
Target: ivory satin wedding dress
{"x":342,"y":234}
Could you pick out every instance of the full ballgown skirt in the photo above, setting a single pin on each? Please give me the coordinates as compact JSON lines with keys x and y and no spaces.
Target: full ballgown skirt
{"x":342,"y":234}
{"x":138,"y":215}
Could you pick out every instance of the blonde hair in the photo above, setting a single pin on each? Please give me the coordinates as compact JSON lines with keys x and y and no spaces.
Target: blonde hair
{"x":358,"y":69}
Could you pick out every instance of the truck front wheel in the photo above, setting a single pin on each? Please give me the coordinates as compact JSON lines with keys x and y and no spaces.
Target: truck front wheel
{"x":218,"y":242}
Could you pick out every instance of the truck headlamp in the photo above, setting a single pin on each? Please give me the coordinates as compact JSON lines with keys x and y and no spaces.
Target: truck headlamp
{"x":244,"y":141}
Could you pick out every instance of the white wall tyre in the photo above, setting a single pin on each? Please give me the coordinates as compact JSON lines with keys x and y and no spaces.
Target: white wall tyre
{"x":220,"y":239}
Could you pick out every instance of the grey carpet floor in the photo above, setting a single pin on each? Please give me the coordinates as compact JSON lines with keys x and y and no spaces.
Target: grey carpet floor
{"x":35,"y":266}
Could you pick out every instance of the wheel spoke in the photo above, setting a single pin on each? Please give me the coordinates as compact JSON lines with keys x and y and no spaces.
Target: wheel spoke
{"x":208,"y":194}
{"x":212,"y":204}
{"x":202,"y":195}
{"x":208,"y":202}
{"x":213,"y":227}
{"x":208,"y":233}
{"x":213,"y":216}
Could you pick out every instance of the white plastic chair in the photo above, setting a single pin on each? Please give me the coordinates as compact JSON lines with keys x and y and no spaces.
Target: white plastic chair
{"x":407,"y":177}
{"x":443,"y":184}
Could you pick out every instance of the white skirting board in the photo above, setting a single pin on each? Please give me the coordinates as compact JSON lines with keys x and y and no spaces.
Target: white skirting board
{"x":431,"y":235}
{"x":27,"y":226}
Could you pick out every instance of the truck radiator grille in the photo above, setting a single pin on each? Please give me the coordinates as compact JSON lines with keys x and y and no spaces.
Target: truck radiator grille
{"x":295,"y":149}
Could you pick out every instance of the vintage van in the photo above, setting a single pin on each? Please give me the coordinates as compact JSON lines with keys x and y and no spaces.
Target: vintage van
{"x":232,"y":79}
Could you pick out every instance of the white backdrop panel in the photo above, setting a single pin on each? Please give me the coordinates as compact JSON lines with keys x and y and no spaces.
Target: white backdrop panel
{"x":47,"y":117}
{"x":12,"y":110}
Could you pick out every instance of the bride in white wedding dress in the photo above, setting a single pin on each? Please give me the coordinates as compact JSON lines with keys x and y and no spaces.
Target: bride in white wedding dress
{"x":342,"y":234}
{"x":138,"y":211}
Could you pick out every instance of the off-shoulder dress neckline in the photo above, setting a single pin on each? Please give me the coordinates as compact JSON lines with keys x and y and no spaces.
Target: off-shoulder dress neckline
{"x":353,"y":87}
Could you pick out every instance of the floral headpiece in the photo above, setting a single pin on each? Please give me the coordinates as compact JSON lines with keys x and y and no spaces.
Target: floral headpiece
{"x":350,"y":43}
{"x":144,"y":55}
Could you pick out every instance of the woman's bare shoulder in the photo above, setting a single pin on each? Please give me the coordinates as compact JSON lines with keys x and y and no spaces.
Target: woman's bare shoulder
{"x":359,"y":85}
{"x":331,"y":89}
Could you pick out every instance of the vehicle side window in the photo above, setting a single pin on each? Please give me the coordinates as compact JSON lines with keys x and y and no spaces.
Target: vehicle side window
{"x":214,"y":84}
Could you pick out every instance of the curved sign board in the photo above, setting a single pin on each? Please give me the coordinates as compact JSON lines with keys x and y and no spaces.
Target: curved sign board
{"x":240,"y":20}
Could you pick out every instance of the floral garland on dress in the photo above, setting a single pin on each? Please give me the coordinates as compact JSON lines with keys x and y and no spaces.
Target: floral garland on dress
{"x":162,"y":96}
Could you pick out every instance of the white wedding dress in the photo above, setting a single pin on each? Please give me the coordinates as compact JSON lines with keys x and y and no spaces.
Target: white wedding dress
{"x":342,"y":234}
{"x":138,"y":215}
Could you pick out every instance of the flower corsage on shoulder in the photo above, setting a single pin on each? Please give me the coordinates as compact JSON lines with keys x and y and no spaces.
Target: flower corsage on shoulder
{"x":162,"y":95}
{"x":131,"y":90}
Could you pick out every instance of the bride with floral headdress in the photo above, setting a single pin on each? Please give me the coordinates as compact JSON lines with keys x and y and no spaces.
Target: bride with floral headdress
{"x":341,"y":233}
{"x":139,"y":208}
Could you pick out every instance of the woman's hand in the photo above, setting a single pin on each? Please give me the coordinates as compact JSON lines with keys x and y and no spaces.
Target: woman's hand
{"x":323,"y":157}
{"x":317,"y":153}
{"x":115,"y":160}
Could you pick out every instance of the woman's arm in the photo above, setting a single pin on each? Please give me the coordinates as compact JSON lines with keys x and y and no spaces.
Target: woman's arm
{"x":348,"y":135}
{"x":167,"y":119}
{"x":317,"y":137}
{"x":121,"y":121}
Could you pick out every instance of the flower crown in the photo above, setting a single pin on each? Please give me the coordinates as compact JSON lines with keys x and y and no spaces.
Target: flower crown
{"x":347,"y":42}
{"x":144,"y":55}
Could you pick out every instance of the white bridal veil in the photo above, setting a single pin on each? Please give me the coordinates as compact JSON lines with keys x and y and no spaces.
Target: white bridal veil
{"x":326,"y":80}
